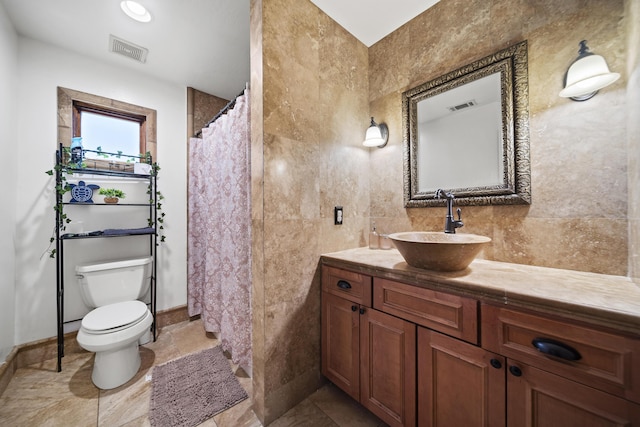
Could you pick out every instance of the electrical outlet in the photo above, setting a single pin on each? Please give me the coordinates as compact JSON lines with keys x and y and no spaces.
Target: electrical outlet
{"x":337,"y":215}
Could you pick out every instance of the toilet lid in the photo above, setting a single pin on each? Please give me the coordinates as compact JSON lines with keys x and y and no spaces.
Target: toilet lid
{"x":114,"y":316}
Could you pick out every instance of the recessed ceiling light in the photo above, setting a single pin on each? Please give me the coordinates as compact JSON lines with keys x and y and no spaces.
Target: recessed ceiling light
{"x":135,"y":10}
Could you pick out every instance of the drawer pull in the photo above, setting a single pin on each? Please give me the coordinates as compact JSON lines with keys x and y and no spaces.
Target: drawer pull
{"x":343,"y":284}
{"x":556,"y":348}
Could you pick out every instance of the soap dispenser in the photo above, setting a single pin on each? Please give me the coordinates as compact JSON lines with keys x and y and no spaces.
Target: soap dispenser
{"x":374,"y":241}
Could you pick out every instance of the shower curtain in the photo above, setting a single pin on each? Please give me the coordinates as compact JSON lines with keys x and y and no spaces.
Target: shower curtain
{"x":219,"y":230}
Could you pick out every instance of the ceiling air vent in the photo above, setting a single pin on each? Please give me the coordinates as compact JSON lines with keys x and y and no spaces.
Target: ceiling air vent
{"x":463,"y":105}
{"x":128,"y":49}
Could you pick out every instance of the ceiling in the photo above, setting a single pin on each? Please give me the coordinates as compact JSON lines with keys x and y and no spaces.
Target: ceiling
{"x":199,"y":43}
{"x":372,"y":20}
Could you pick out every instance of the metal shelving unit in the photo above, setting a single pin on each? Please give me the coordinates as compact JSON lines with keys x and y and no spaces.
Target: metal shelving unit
{"x":63,"y":167}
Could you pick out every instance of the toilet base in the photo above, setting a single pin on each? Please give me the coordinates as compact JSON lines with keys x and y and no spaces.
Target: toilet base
{"x":117,"y":353}
{"x":111,"y":369}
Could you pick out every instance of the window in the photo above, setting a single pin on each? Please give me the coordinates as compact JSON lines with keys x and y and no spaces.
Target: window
{"x":109,"y":131}
{"x":106,"y":125}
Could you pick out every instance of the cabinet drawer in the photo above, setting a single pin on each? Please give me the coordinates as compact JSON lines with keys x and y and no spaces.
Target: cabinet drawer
{"x":443,"y":312}
{"x":604,"y":360}
{"x":347,"y":284}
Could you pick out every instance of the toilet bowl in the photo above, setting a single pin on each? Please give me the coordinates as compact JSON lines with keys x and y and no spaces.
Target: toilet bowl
{"x":112,"y":332}
{"x":113,"y":329}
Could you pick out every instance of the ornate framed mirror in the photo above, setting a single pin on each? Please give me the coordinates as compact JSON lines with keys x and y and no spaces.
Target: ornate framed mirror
{"x":467,"y":132}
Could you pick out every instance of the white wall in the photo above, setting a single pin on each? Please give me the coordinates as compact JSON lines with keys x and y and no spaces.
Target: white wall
{"x":451,"y":152}
{"x":41,"y":69}
{"x":8,"y":164}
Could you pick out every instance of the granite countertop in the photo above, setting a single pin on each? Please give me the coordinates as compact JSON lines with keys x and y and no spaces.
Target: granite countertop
{"x":604,"y":300}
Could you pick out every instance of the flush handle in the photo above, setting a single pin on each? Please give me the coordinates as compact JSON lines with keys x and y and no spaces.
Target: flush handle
{"x":556,"y":348}
{"x":343,"y":284}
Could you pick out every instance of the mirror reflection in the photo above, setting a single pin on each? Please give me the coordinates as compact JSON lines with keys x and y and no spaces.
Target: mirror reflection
{"x":467,"y":132}
{"x":460,"y":137}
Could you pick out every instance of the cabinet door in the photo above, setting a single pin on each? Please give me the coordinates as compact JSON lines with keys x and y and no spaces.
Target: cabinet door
{"x":340,"y":343}
{"x":603,"y":360}
{"x":458,"y":384}
{"x":388,"y":371}
{"x":539,"y":398}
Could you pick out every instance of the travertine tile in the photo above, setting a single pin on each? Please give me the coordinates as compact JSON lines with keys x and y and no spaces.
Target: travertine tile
{"x":127,"y":403}
{"x":599,"y":299}
{"x":342,"y":409}
{"x":315,"y":113}
{"x":578,"y":150}
{"x":241,"y":415}
{"x":305,"y":414}
{"x":38,"y":395}
{"x":191,"y":337}
{"x":41,"y":396}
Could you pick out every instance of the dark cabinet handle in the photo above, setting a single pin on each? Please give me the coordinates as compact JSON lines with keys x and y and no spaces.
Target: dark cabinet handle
{"x":361,"y":310}
{"x":354,"y":307}
{"x":515,"y":371}
{"x":556,"y":348}
{"x":343,"y":284}
{"x":496,"y":363}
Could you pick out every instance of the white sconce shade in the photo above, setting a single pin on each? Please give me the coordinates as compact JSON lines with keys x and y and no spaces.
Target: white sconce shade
{"x":377,"y":135}
{"x":588,"y":74}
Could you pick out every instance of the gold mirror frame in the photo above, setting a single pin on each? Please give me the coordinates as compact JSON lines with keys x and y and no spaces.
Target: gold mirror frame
{"x":511,"y":63}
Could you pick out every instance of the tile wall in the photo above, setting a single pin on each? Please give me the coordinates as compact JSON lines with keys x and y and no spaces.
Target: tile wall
{"x":309,"y":113}
{"x":201,"y":107}
{"x":314,"y":87}
{"x":578,"y":218}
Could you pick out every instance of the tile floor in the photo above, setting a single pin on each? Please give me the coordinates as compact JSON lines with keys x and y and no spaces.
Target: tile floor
{"x":39,"y":396}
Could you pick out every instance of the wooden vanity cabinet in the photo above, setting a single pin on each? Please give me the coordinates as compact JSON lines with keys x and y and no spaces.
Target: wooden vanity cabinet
{"x":587,"y":377}
{"x":344,"y":294}
{"x":459,"y":384}
{"x":536,"y":398}
{"x":368,"y":354}
{"x":341,"y":343}
{"x":388,"y":367}
{"x":438,"y":359}
{"x":450,"y":314}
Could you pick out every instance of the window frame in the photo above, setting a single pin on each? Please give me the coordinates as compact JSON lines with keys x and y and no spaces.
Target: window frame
{"x":72,"y":103}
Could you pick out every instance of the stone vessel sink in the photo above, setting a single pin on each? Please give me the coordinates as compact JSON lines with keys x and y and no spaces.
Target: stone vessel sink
{"x":437,"y":250}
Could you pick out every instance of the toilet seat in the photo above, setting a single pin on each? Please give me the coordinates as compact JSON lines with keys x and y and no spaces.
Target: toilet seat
{"x":114,"y":317}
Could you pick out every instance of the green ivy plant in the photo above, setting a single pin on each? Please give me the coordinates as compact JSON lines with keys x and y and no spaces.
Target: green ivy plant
{"x":160,"y":216}
{"x":62,"y":187}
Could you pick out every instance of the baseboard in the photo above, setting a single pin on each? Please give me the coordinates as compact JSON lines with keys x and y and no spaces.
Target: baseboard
{"x":45,"y":349}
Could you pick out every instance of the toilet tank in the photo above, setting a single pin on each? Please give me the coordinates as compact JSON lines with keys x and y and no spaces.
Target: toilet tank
{"x":114,"y":281}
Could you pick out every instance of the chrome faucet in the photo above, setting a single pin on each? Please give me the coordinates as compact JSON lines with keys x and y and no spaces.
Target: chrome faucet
{"x":450,"y":224}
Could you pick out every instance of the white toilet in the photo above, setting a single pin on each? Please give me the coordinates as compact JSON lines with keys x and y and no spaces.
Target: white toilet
{"x":112,"y":330}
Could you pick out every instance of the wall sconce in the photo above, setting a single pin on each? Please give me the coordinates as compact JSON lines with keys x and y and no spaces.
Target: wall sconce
{"x":586,"y":75}
{"x":377,"y":135}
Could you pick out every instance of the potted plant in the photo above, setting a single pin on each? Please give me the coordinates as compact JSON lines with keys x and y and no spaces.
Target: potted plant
{"x":111,"y":195}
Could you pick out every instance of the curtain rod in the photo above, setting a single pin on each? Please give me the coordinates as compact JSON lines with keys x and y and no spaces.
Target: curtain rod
{"x":224,"y":109}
